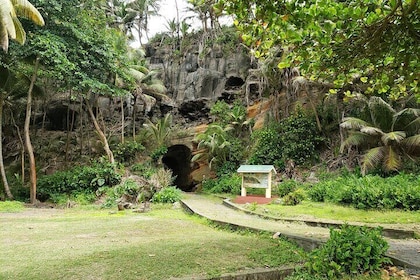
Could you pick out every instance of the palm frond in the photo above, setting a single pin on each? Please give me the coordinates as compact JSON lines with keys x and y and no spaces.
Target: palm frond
{"x":373,"y":131}
{"x":20,"y":32}
{"x":355,"y":139}
{"x":4,"y":38}
{"x":392,"y":160}
{"x":26,"y":10}
{"x":136,"y":74}
{"x":10,"y":25}
{"x":408,"y":120}
{"x":372,"y":158}
{"x":393,"y":136}
{"x":200,"y":156}
{"x":157,"y":87}
{"x":140,"y":68}
{"x":353,"y":123}
{"x":412,"y":142}
{"x":381,"y":113}
{"x":7,"y":27}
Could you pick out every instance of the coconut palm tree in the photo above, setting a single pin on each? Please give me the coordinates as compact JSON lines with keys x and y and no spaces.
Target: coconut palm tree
{"x":143,"y":10}
{"x":10,"y":25}
{"x":213,"y":145}
{"x":388,"y":135}
{"x":160,"y":130}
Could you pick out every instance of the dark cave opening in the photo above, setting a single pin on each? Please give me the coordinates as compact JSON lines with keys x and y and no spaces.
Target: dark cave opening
{"x":178,"y":159}
{"x":234,"y":83}
{"x":61,"y":118}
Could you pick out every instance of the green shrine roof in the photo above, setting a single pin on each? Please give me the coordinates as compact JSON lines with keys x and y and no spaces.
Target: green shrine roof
{"x":256,"y":169}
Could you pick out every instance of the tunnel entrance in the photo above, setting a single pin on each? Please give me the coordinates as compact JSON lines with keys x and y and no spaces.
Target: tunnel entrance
{"x":234,"y":83}
{"x":178,"y":159}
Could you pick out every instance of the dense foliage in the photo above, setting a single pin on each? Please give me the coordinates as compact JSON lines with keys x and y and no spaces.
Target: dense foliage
{"x":349,"y":251}
{"x":78,"y":179}
{"x":339,"y":42}
{"x":127,"y":151}
{"x":167,"y":195}
{"x":370,"y":192}
{"x":388,"y":135}
{"x":295,"y":138}
{"x":222,"y":143}
{"x":227,"y":183}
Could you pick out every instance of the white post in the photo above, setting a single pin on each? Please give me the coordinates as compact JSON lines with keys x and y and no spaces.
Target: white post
{"x":243,"y":190}
{"x":268,"y":190}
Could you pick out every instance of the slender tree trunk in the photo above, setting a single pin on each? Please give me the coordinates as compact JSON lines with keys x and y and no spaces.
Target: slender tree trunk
{"x":133,"y":118}
{"x":101,"y":135}
{"x":81,"y":125}
{"x":2,"y":170}
{"x":28,"y":144}
{"x":68,"y":131}
{"x":122,"y":120}
{"x":22,"y":152}
{"x":178,"y":37}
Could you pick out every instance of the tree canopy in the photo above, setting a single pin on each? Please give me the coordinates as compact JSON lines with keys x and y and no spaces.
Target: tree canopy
{"x":374,"y":43}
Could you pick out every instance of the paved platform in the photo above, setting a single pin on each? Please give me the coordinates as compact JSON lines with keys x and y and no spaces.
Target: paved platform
{"x":403,"y":252}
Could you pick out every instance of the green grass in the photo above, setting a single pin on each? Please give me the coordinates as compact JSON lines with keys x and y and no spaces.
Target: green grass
{"x":97,"y":244}
{"x":11,"y":206}
{"x":329,"y":211}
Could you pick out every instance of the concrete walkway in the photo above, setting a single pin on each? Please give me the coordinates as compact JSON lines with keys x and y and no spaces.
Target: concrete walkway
{"x":403,"y":252}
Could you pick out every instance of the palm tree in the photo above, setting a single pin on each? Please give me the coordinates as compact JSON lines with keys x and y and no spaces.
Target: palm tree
{"x":387,"y":134}
{"x":10,"y":25}
{"x":142,"y":9}
{"x":121,"y":16}
{"x":213,"y":145}
{"x":160,"y":130}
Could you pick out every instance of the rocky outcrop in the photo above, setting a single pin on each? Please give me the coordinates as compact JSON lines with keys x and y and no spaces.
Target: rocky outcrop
{"x":197,"y":80}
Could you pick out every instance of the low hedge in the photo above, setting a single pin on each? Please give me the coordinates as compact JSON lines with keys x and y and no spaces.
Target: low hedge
{"x":371,"y":192}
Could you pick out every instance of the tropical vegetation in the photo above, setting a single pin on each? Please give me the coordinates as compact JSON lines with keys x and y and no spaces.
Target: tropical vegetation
{"x":396,"y":132}
{"x":336,"y":110}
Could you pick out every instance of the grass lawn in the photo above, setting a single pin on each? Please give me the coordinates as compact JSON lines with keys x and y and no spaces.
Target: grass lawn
{"x":329,"y":211}
{"x":97,"y":244}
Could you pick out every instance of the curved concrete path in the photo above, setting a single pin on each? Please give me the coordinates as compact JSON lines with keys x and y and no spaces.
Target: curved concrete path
{"x":403,"y":252}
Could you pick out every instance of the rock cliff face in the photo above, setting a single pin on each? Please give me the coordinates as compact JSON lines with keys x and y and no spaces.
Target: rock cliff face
{"x":196,"y":80}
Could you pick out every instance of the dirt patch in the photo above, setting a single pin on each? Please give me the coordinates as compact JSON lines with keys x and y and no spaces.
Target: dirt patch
{"x":259,"y":199}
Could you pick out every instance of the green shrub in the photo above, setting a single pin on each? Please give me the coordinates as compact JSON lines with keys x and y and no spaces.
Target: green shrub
{"x":294,"y":138}
{"x":77,"y":197}
{"x":127,"y":151}
{"x":300,"y":137}
{"x":167,"y":195}
{"x":268,"y":147}
{"x":349,"y":251}
{"x":158,"y":152}
{"x":294,"y":198}
{"x":224,"y":184}
{"x":326,"y":190}
{"x":143,"y":170}
{"x":78,"y":179}
{"x":371,"y":192}
{"x":286,"y":187}
{"x":128,"y":187}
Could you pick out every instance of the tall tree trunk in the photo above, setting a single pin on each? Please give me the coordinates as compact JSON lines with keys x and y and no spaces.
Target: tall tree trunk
{"x":22,"y":152}
{"x":133,"y":116}
{"x":101,"y":135}
{"x":122,"y":120}
{"x":2,"y":170}
{"x":28,"y":144}
{"x":81,"y":125}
